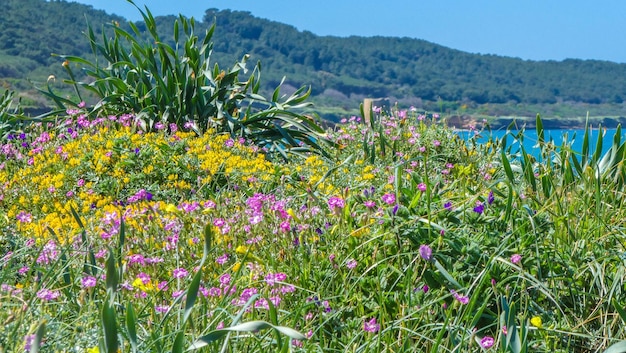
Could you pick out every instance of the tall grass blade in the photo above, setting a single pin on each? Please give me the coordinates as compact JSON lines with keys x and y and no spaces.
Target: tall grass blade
{"x":131,"y":326}
{"x":36,"y":344}
{"x":109,"y":325}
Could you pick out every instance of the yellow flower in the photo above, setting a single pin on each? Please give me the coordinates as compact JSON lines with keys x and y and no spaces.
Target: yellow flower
{"x":536,"y":321}
{"x":93,"y":349}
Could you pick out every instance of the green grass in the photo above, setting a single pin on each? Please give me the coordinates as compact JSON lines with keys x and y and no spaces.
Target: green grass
{"x":166,"y":241}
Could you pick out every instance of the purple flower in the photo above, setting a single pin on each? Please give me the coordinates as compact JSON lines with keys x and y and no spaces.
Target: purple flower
{"x":24,"y":217}
{"x":487,"y":342}
{"x":89,"y":281}
{"x":426,"y":252}
{"x":369,"y":204}
{"x":371,"y":326}
{"x":389,"y":199}
{"x":336,"y":202}
{"x":48,"y":254}
{"x":46,"y":294}
{"x":516,"y":258}
{"x":161,"y":308}
{"x":490,"y":198}
{"x":179,"y":273}
{"x":28,"y":342}
{"x":448,"y":206}
{"x":222,"y":259}
{"x":421,"y":187}
{"x":461,"y":298}
{"x":351,"y":263}
{"x":479,"y":208}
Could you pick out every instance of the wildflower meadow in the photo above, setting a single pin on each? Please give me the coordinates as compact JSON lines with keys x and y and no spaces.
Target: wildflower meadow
{"x":143,"y":230}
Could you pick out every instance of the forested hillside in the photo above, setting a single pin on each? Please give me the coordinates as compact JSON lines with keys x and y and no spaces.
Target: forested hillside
{"x":341,"y":71}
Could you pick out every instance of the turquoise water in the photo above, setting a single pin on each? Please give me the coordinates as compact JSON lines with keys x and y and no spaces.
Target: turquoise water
{"x":530,"y":139}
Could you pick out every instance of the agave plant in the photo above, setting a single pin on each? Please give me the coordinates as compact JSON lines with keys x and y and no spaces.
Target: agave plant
{"x":10,"y":114}
{"x":137,"y":72}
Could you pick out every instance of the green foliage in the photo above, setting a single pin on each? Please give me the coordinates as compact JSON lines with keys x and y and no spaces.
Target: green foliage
{"x":180,"y":85}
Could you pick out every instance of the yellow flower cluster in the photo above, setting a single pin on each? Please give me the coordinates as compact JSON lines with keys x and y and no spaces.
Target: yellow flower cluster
{"x":98,"y":168}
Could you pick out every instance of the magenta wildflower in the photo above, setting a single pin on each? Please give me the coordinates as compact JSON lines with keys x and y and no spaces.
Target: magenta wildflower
{"x":48,"y":254}
{"x":371,"y":326}
{"x":285,"y":226}
{"x":516,"y":258}
{"x":46,"y":294}
{"x":389,"y":199}
{"x":28,"y":342}
{"x":461,"y":298}
{"x":222,"y":259}
{"x":225,"y":279}
{"x":369,"y":204}
{"x":89,"y":281}
{"x":336,"y":202}
{"x":144,"y":277}
{"x":161,"y":308}
{"x":180,"y":273}
{"x":351,"y":263}
{"x":487,"y":342}
{"x":24,"y":217}
{"x":421,"y":187}
{"x":272,"y":278}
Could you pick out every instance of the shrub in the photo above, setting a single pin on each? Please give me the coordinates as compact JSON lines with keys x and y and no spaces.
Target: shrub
{"x":181,"y":85}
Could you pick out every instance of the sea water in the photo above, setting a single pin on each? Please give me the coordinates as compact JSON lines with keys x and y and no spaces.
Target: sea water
{"x":530,"y":139}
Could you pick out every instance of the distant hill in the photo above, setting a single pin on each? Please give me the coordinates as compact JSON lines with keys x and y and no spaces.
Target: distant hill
{"x":341,"y":70}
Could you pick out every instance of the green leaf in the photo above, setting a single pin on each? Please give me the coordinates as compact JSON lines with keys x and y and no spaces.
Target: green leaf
{"x":620,"y":310}
{"x":131,"y":326}
{"x":109,"y":326}
{"x":619,"y":347}
{"x":192,"y":294}
{"x":112,"y":279}
{"x":447,"y":275}
{"x":505,"y":162}
{"x":539,"y":127}
{"x":179,"y":342}
{"x":251,"y":326}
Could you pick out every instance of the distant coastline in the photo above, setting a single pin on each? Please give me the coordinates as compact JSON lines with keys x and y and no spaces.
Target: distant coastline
{"x":467,"y":122}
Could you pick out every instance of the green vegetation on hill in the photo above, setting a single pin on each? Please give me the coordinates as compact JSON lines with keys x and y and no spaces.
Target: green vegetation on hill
{"x":341,"y":71}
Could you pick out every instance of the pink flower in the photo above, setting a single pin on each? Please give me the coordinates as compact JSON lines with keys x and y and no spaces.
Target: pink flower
{"x":371,"y":326}
{"x":421,"y":187}
{"x":89,"y":281}
{"x":351,"y":263}
{"x":46,"y":294}
{"x":389,"y":199}
{"x":24,"y":217}
{"x":179,"y":273}
{"x":487,"y":342}
{"x":516,"y":258}
{"x":461,"y":298}
{"x":336,"y":202}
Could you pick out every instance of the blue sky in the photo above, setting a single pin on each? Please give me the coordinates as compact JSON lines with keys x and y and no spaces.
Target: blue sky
{"x":528,"y":29}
